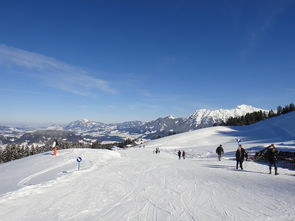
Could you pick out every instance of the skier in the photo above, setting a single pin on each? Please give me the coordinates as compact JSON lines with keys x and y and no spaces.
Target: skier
{"x":219,"y":151}
{"x":179,"y":154}
{"x":183,"y":154}
{"x":240,"y":155}
{"x":54,"y":146}
{"x":272,"y":156}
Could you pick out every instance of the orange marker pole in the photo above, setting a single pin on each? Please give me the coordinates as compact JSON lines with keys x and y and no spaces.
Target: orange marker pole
{"x":54,"y":151}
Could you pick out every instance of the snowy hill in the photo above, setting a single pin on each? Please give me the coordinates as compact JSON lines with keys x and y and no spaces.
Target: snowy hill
{"x":135,"y":184}
{"x":274,"y":130}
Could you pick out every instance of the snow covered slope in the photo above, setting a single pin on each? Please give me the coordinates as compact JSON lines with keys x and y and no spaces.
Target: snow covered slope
{"x":135,"y":184}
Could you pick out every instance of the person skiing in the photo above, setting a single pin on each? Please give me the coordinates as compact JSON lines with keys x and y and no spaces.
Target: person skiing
{"x":179,"y":154}
{"x":183,"y":154}
{"x":240,"y":155}
{"x":219,"y":151}
{"x":272,"y":156}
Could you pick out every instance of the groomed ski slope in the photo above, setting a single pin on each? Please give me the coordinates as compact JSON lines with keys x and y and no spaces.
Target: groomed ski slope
{"x":135,"y":184}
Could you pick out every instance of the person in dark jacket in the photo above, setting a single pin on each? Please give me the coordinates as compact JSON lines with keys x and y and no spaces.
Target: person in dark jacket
{"x":240,"y":155}
{"x":183,"y":154}
{"x":219,"y":151}
{"x":272,"y":156}
{"x":246,"y":155}
{"x":179,"y":154}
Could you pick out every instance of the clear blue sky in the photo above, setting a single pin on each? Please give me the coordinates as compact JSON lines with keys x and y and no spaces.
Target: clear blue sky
{"x":113,"y":61}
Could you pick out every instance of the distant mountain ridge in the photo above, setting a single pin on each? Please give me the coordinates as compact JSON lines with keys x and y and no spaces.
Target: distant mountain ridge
{"x":162,"y":126}
{"x":207,"y":118}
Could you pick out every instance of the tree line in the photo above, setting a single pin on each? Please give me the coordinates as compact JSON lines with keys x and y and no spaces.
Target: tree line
{"x":17,"y":151}
{"x":254,"y":117}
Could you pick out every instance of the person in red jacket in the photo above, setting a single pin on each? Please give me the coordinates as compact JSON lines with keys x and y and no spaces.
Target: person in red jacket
{"x":54,"y":146}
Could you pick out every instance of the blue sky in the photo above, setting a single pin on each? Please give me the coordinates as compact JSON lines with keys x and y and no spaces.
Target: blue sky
{"x":114,"y":61}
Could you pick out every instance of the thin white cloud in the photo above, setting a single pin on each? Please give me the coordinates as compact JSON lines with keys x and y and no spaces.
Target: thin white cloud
{"x":54,"y":73}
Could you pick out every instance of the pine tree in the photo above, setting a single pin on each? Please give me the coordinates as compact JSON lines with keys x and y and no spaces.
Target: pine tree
{"x":291,"y":107}
{"x":1,"y":156}
{"x":271,"y":113}
{"x":279,"y":110}
{"x":285,"y":109}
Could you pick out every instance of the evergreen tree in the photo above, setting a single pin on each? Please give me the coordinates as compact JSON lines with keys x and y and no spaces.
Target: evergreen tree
{"x":1,"y":156}
{"x":285,"y":109}
{"x":291,"y":107}
{"x":279,"y":110}
{"x":271,"y":113}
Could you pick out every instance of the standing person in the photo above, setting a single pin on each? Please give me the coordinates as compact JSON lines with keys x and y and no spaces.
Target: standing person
{"x":240,"y":155}
{"x":219,"y":151}
{"x":54,"y":146}
{"x":183,"y":154}
{"x":246,"y":155}
{"x":179,"y":154}
{"x":272,"y":156}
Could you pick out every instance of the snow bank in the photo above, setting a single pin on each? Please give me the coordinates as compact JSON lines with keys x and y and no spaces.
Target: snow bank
{"x":44,"y":167}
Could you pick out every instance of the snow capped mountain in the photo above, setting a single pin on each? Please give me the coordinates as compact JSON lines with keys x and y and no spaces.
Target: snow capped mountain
{"x":84,"y":125}
{"x":199,"y":119}
{"x":161,"y":124}
{"x":206,"y":118}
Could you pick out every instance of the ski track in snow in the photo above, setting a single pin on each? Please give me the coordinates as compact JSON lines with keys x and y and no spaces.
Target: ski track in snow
{"x":25,"y":181}
{"x":141,"y":185}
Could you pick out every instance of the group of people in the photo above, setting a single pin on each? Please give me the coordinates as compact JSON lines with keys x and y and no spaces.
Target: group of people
{"x":241,"y":155}
{"x":157,"y":150}
{"x":181,"y":154}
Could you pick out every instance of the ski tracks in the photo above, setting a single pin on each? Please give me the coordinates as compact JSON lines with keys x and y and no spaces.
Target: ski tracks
{"x":24,"y":182}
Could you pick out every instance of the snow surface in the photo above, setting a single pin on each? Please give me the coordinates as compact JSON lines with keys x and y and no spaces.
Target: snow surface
{"x":136,"y":184}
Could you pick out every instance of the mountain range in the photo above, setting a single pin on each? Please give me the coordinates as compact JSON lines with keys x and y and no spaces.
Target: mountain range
{"x":162,"y":126}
